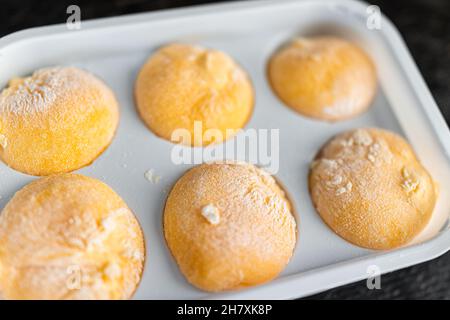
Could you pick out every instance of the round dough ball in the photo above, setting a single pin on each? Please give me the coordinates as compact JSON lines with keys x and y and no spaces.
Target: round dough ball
{"x":369,"y":187}
{"x":58,"y":120}
{"x":181,"y":86}
{"x":323,"y":77}
{"x":69,"y":237}
{"x":229,"y":226}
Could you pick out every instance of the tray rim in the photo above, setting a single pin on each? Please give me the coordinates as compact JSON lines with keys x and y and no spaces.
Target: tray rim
{"x":333,"y":275}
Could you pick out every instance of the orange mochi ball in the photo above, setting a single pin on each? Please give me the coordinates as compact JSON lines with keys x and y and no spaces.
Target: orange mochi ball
{"x":326,"y":78}
{"x":182,"y":84}
{"x":229,"y":226}
{"x":69,"y":237}
{"x":370,"y":188}
{"x":57,"y":120}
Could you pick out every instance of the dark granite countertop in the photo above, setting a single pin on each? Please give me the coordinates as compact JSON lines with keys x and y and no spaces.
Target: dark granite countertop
{"x":424,"y":24}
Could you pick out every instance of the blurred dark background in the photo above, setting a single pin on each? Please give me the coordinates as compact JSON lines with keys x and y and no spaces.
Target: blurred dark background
{"x":425,"y":26}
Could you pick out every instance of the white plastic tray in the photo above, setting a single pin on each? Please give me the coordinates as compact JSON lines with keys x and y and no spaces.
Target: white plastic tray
{"x":250,"y":31}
